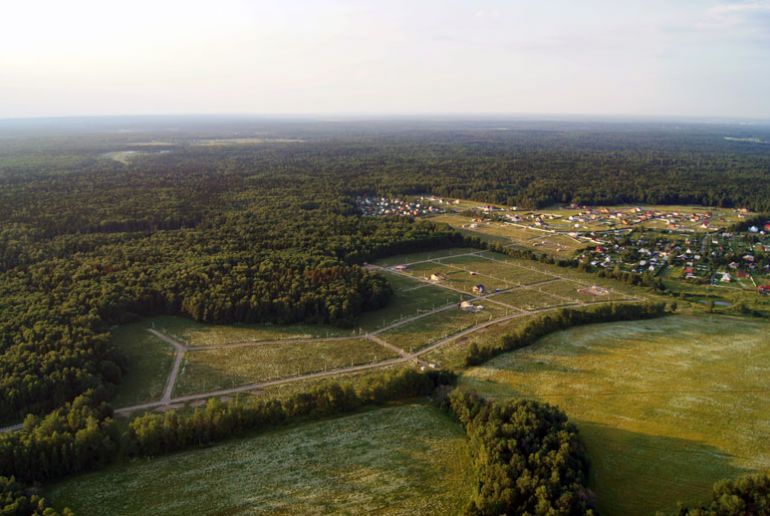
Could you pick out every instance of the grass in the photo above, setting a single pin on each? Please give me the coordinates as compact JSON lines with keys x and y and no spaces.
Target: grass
{"x":452,"y":355}
{"x":409,"y":459}
{"x":149,"y":361}
{"x":411,"y":297}
{"x":418,"y":334}
{"x":199,"y":334}
{"x":529,"y":299}
{"x":665,"y":407}
{"x":221,"y":368}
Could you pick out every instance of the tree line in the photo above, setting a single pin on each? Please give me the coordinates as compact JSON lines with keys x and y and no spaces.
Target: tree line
{"x":16,"y":500}
{"x":562,"y":319}
{"x":82,"y":435}
{"x":748,"y":495}
{"x":526,"y":457}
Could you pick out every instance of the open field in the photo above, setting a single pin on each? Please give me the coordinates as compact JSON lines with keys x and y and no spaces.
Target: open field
{"x":665,"y":407}
{"x":452,"y":355}
{"x":230,"y":367}
{"x":410,"y":298}
{"x":418,"y":334}
{"x":149,"y":361}
{"x":427,"y":255}
{"x":410,"y":459}
{"x":194,"y":333}
{"x":209,"y":359}
{"x":557,"y":244}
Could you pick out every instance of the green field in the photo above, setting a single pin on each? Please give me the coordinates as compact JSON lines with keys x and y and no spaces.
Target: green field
{"x":225,"y":367}
{"x":426,"y":255}
{"x":418,"y":334}
{"x":532,"y":238}
{"x":410,"y":459}
{"x":194,"y":333}
{"x":149,"y":361}
{"x":411,"y":297}
{"x":665,"y":407}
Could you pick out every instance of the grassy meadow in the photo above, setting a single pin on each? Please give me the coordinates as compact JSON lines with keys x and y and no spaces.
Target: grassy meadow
{"x":665,"y":407}
{"x":221,"y":368}
{"x":148,"y":360}
{"x":422,"y":332}
{"x":194,"y":333}
{"x":408,"y":459}
{"x":411,"y":297}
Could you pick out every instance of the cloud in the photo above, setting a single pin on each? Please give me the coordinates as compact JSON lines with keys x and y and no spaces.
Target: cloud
{"x":752,"y":15}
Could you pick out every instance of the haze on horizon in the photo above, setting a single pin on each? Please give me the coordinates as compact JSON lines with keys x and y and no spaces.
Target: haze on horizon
{"x":696,"y":58}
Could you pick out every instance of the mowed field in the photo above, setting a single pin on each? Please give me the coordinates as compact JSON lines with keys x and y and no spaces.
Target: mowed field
{"x":231,"y":366}
{"x":560,"y":245}
{"x":665,"y":407}
{"x":409,"y":459}
{"x":148,"y":360}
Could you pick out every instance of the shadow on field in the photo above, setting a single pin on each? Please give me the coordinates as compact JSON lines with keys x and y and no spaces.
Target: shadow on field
{"x":634,"y":473}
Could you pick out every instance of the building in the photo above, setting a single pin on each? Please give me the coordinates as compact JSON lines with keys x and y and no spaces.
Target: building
{"x":763,"y":290}
{"x":437,"y":276}
{"x":479,"y":289}
{"x":467,"y":306}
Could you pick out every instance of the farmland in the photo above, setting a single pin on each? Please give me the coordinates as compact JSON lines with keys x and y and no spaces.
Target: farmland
{"x":665,"y":407}
{"x":422,"y":317}
{"x":229,"y":366}
{"x":399,"y":460}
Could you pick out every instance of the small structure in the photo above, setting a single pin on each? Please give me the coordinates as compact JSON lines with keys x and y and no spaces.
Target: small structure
{"x":437,"y":276}
{"x":479,"y":289}
{"x":467,"y":306}
{"x":594,"y":290}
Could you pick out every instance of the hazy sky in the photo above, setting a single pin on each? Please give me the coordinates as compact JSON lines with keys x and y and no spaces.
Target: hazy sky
{"x":638,"y":57}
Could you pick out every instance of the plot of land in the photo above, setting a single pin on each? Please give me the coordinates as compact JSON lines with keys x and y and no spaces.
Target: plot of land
{"x":149,"y":362}
{"x":665,"y":407}
{"x":418,"y":334}
{"x":198,"y":334}
{"x":225,"y":367}
{"x":557,"y":244}
{"x":410,"y":459}
{"x":411,"y":298}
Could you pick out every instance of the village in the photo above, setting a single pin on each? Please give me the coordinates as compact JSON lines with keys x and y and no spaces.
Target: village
{"x":678,"y":243}
{"x":579,"y":220}
{"x":384,"y":207}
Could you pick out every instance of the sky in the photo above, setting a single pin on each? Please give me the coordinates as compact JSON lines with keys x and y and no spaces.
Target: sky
{"x":695,"y":58}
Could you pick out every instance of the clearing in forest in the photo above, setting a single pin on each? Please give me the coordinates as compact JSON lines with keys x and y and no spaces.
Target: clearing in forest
{"x":666,"y":407}
{"x":409,"y":459}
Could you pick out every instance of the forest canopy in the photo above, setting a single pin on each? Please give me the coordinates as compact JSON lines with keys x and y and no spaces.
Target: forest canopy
{"x":269,"y":232}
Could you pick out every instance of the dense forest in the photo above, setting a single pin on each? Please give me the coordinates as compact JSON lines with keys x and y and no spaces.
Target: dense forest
{"x":269,"y":231}
{"x":526,"y":457}
{"x":745,"y":496}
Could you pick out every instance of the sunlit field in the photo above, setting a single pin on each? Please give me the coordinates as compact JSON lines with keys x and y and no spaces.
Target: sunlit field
{"x":410,"y":459}
{"x":666,"y":407}
{"x":234,"y":366}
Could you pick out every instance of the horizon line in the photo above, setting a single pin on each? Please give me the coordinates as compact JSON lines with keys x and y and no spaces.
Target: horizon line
{"x":415,"y":116}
